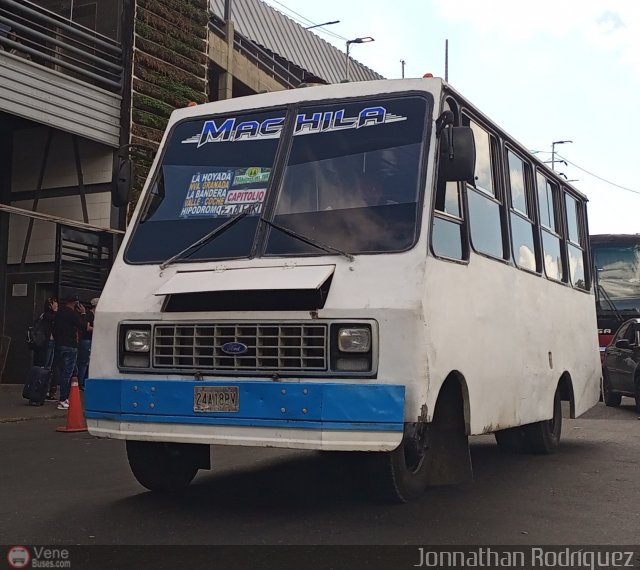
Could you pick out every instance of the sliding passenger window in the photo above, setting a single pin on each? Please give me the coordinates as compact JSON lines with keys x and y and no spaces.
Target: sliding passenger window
{"x":576,"y":251}
{"x":522,"y":225}
{"x":484,"y":199}
{"x":547,"y":192}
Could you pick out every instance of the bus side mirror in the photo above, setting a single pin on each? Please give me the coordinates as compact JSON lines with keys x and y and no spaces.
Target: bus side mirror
{"x":457,"y":154}
{"x":121,"y":182}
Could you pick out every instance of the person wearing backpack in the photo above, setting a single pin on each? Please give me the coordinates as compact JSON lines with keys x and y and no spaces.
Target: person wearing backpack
{"x":43,"y":328}
{"x":39,"y":337}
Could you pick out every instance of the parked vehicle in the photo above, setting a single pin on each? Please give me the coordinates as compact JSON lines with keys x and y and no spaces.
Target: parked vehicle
{"x":369,"y":267}
{"x":621,"y":366}
{"x":616,"y":262}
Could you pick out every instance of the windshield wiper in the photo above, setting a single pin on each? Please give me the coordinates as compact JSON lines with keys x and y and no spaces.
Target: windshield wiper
{"x":307,"y":240}
{"x":196,"y":245}
{"x":607,"y":298}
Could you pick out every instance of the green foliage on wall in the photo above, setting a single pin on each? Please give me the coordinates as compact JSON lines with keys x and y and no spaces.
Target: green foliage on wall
{"x":169,"y":56}
{"x":155,"y":26}
{"x":149,"y":119}
{"x":169,"y":69}
{"x":189,"y":35}
{"x":151,"y":105}
{"x":171,"y":9}
{"x":169,"y":98}
{"x":177,"y":75}
{"x":175,"y":87}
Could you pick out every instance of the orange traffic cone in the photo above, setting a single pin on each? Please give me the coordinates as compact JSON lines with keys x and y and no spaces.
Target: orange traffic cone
{"x":75,"y":413}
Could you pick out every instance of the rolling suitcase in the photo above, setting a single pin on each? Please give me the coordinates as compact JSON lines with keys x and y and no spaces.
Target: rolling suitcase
{"x":36,"y":386}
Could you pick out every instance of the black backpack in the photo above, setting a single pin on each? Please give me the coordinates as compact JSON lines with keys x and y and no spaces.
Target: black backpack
{"x":37,"y":333}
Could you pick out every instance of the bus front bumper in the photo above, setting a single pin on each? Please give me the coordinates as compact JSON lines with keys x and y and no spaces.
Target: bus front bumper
{"x":327,"y":416}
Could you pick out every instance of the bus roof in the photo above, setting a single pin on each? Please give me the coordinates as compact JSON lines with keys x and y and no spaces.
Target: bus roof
{"x":615,"y":238}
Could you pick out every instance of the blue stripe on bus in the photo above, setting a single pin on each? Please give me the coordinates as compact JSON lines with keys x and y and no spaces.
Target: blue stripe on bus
{"x":364,"y":407}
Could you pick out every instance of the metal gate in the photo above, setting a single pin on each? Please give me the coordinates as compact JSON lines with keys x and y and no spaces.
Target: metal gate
{"x":83,"y":260}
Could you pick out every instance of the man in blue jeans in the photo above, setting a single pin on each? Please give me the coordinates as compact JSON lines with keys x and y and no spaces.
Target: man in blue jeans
{"x":71,"y":323}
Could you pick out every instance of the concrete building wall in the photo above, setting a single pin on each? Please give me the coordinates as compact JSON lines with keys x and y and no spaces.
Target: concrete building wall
{"x":43,"y":236}
{"x":60,"y":168}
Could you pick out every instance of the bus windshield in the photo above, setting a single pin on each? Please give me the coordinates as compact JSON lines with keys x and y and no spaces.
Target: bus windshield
{"x":350,"y":182}
{"x":618,"y":272}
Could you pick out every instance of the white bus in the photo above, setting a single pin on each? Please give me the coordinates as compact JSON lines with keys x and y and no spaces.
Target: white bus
{"x":366,"y":267}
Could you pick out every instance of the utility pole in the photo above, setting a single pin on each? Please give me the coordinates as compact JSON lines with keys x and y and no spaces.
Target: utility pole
{"x":553,"y":152}
{"x":402,"y":62}
{"x":446,"y":60}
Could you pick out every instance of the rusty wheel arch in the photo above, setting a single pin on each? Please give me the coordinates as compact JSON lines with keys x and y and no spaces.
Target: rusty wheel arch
{"x":458,"y":378}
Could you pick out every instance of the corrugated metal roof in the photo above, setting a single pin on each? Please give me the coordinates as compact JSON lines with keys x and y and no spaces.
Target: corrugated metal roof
{"x":278,"y":33}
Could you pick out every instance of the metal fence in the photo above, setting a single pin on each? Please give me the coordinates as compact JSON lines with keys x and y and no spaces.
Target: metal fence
{"x":36,"y":34}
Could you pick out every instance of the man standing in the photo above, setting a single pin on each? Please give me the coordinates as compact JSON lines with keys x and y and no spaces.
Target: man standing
{"x":84,"y":350}
{"x":71,"y":323}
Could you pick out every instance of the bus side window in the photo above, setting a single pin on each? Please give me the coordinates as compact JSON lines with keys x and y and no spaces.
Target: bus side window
{"x":526,"y":254}
{"x":485,"y":200}
{"x":447,"y":229}
{"x":576,"y":241}
{"x":551,"y":250}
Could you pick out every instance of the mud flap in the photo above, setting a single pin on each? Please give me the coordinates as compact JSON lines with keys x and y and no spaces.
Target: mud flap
{"x":449,"y":457}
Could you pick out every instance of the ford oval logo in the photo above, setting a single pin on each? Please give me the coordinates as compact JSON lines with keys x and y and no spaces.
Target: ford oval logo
{"x":234,"y":348}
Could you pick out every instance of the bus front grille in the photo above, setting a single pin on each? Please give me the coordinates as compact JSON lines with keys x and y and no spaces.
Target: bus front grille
{"x":277,"y":347}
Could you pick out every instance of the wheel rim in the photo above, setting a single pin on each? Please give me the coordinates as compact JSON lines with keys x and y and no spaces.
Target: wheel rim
{"x":415,"y":451}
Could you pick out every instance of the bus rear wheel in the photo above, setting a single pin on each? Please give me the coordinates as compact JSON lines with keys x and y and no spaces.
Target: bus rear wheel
{"x":512,"y":440}
{"x":543,"y":438}
{"x":162,"y":467}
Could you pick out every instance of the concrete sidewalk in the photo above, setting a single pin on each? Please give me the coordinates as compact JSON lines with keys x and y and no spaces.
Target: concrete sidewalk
{"x":13,"y":408}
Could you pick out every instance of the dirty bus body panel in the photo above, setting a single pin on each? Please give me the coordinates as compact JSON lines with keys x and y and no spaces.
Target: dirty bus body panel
{"x":292,"y":279}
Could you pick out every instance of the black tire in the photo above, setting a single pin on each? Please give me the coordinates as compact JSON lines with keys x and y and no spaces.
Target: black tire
{"x":401,"y":475}
{"x":637,"y":395}
{"x":543,"y":438}
{"x":162,"y":467}
{"x":512,"y":440}
{"x":611,"y":399}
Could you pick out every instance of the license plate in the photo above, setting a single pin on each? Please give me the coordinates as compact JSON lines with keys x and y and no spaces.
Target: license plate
{"x":216,"y":399}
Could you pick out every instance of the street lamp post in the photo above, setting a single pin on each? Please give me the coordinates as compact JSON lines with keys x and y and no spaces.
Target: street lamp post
{"x":553,"y":152}
{"x":325,"y":24}
{"x":349,"y":42}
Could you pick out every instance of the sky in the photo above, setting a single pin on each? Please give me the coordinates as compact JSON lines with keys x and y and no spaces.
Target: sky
{"x":544,"y":71}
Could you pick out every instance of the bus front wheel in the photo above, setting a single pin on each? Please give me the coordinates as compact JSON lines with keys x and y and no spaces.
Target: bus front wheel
{"x":401,"y":475}
{"x":164,"y":467}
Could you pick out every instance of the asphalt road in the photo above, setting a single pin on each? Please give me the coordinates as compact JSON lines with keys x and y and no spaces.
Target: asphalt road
{"x":58,"y":488}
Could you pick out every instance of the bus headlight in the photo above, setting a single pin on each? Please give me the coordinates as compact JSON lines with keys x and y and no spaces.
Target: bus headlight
{"x":137,"y":341}
{"x":352,"y":348}
{"x":354,"y":339}
{"x":134,"y":346}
